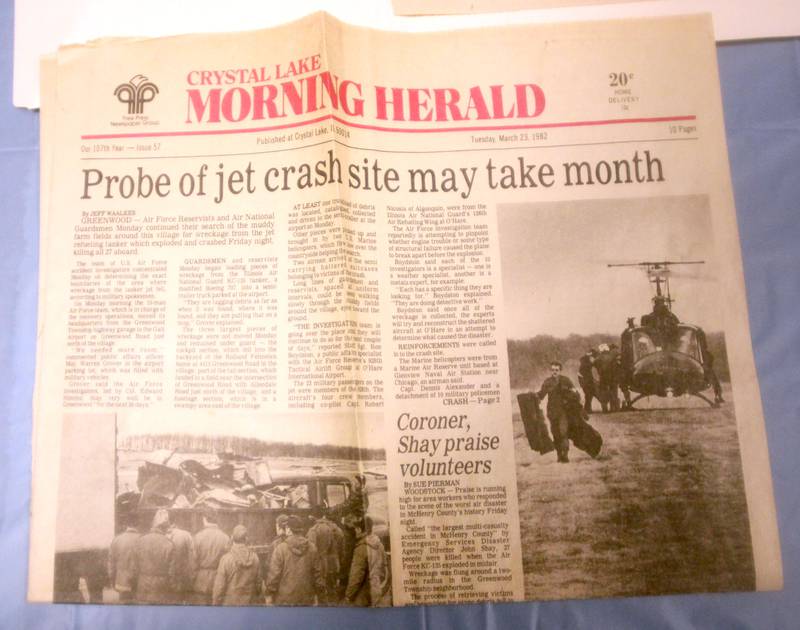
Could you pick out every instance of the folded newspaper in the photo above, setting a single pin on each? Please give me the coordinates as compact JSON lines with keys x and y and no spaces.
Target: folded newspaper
{"x":332,"y":316}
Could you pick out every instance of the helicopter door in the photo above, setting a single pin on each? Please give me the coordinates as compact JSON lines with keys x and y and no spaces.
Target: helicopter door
{"x":643,"y":345}
{"x":686,"y":343}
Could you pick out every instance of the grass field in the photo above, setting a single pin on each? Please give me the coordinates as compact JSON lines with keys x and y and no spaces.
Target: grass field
{"x":662,"y":509}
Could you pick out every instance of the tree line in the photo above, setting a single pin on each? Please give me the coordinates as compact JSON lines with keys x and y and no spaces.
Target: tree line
{"x":529,"y":359}
{"x":243,"y":446}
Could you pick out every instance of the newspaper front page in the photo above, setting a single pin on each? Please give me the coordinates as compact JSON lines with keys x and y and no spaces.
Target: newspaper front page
{"x":332,"y":316}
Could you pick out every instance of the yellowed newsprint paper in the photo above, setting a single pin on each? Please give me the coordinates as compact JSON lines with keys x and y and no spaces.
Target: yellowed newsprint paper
{"x":332,"y":316}
{"x":445,"y":7}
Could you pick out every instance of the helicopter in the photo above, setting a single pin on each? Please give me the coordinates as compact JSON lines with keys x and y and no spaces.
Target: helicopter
{"x":664,"y":356}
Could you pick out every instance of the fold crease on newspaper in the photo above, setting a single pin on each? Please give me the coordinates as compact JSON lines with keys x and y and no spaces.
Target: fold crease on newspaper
{"x":332,"y":316}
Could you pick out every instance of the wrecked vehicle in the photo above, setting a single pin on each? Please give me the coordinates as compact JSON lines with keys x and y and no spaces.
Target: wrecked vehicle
{"x":239,"y":490}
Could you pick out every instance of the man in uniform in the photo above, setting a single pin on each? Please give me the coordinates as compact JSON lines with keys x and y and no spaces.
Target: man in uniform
{"x":661,"y":317}
{"x":294,"y":577}
{"x":239,"y":579}
{"x":280,"y":535}
{"x":586,"y":379}
{"x":608,"y":372}
{"x":708,"y":366}
{"x":622,"y":380}
{"x":184,"y":559}
{"x":328,"y":538}
{"x":154,"y":558}
{"x":210,"y":544}
{"x":616,"y":377}
{"x":625,"y":362}
{"x":368,"y":582}
{"x":356,"y":504}
{"x":557,"y":387}
{"x":354,"y":508}
{"x":122,"y":564}
{"x":346,"y":557}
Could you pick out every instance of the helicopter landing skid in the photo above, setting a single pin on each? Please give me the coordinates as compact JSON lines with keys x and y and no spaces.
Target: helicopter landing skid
{"x":713,"y":404}
{"x":630,"y":407}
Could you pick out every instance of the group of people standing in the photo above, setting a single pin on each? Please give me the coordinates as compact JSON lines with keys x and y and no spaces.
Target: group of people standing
{"x":305,"y":564}
{"x":601,"y":376}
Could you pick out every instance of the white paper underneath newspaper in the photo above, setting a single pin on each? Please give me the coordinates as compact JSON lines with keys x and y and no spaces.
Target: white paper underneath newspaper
{"x":332,"y":316}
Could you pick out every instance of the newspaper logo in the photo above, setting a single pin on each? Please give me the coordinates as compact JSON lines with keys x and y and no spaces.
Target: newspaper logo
{"x":136,"y":92}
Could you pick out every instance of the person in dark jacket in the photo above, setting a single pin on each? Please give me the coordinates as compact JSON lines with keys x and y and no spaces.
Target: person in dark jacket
{"x":154,"y":559}
{"x":586,"y":379}
{"x":239,"y":580}
{"x":708,"y":366}
{"x":294,"y":577}
{"x":122,"y":564}
{"x":624,"y":384}
{"x":354,"y":508}
{"x":184,"y":562}
{"x":661,"y":317}
{"x":356,"y":504}
{"x":368,"y":583}
{"x":281,"y":522}
{"x":210,"y":544}
{"x":346,"y":558}
{"x":608,"y":383}
{"x":328,"y":538}
{"x":556,"y":387}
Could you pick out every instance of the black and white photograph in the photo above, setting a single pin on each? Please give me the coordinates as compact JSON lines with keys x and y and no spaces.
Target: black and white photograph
{"x":212,"y":509}
{"x":627,"y":454}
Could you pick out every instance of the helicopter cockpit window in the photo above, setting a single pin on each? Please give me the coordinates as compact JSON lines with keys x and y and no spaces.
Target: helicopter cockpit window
{"x":687,"y":343}
{"x":642,"y":345}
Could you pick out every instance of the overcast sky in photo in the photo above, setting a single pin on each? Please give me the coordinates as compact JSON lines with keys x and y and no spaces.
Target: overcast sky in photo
{"x":555,"y":257}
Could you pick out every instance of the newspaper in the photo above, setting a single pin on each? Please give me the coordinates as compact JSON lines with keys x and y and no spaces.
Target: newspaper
{"x":332,"y":316}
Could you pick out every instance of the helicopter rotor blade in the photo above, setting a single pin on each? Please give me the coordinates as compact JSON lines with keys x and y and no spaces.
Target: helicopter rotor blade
{"x":702,"y":277}
{"x":607,"y":262}
{"x":657,"y":264}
